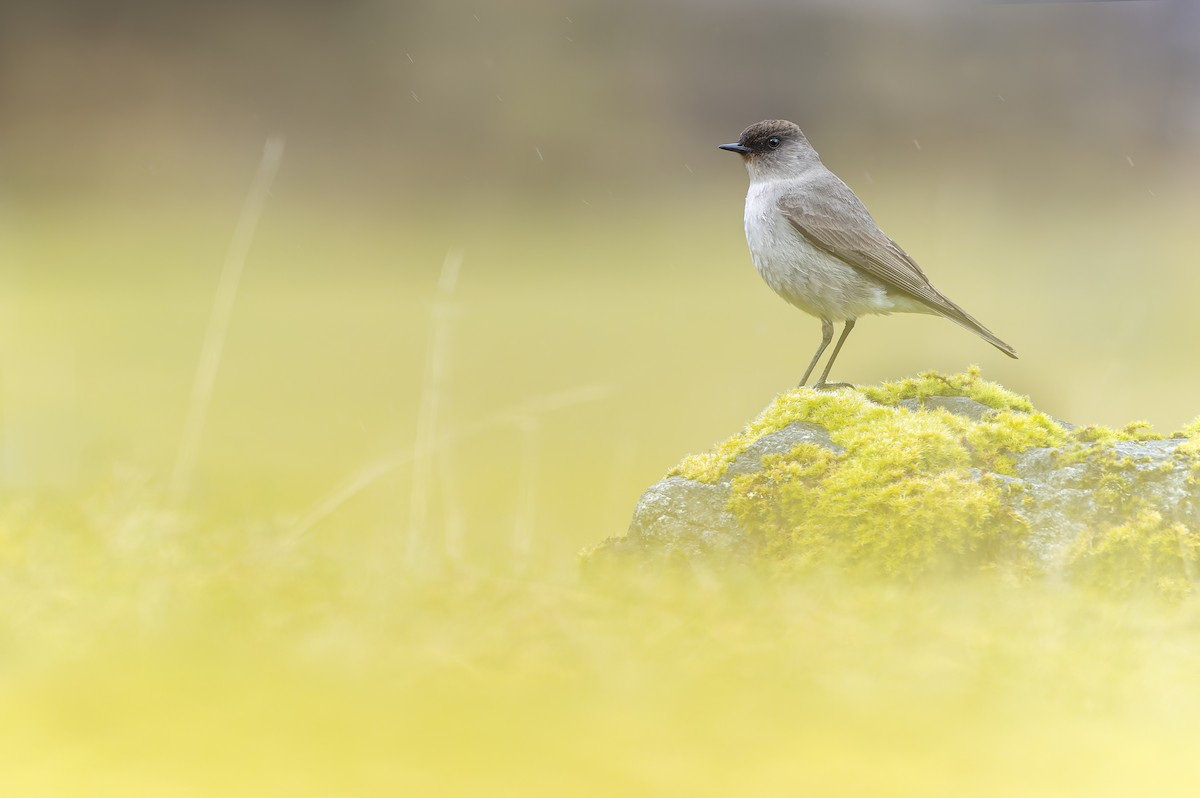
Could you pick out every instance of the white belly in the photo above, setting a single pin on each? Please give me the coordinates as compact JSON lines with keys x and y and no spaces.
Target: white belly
{"x":807,"y":277}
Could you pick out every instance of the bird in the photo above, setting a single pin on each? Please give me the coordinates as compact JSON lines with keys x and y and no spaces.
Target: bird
{"x":814,"y":242}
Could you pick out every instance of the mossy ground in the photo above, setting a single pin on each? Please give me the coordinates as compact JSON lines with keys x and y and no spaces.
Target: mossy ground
{"x":918,"y":491}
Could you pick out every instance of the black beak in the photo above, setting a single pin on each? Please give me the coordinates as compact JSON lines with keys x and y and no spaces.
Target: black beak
{"x":735,"y":148}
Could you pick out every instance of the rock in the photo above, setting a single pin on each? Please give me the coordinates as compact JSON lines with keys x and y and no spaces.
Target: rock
{"x":779,"y":442}
{"x":1066,"y":500}
{"x":878,"y":480}
{"x":680,"y":520}
{"x":958,"y":405}
{"x":688,"y":516}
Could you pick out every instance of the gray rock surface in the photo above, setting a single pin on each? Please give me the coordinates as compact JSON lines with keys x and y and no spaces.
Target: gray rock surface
{"x":958,"y":405}
{"x":680,"y":522}
{"x":1061,"y":501}
{"x":779,"y":442}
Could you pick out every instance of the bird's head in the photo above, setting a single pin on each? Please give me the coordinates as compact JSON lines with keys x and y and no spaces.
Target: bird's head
{"x":772,"y":146}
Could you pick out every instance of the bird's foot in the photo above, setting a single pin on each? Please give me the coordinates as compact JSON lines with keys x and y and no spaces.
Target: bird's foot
{"x":831,"y":386}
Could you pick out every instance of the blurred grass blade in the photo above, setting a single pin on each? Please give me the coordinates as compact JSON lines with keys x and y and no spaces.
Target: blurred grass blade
{"x":218,"y":321}
{"x":436,"y":362}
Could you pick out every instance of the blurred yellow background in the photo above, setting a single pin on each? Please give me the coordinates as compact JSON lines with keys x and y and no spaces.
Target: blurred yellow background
{"x":391,"y":483}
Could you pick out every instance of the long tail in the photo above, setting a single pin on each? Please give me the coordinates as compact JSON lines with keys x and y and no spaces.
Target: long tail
{"x":959,"y":316}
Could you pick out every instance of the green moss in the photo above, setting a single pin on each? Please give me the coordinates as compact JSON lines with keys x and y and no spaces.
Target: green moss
{"x":1189,"y":450}
{"x":1092,"y":443}
{"x":1191,"y":430}
{"x":995,"y":441}
{"x":1133,"y":431}
{"x":834,"y":410}
{"x":827,"y":514}
{"x":709,"y":466}
{"x":931,"y":383}
{"x":1144,"y":555}
{"x":903,"y":499}
{"x":913,"y":492}
{"x":871,"y":416}
{"x":1129,"y":548}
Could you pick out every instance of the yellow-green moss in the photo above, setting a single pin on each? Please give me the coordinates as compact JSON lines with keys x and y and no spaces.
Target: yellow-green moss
{"x":1094,"y":441}
{"x":1144,"y":555}
{"x":1128,"y":547}
{"x":995,"y":441}
{"x":1133,"y":431}
{"x":1191,"y":430}
{"x":931,"y":383}
{"x":710,"y":466}
{"x":1189,"y":450}
{"x":913,"y":492}
{"x":846,"y":518}
{"x":855,"y":415}
{"x":836,"y":411}
{"x":900,"y":501}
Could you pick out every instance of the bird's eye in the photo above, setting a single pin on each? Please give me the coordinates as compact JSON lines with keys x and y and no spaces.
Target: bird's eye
{"x":774,"y":142}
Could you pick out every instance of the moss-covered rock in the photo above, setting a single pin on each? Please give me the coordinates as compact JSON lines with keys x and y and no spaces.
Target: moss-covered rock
{"x":928,"y":476}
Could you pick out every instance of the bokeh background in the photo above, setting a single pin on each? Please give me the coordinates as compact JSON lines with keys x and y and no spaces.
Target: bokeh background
{"x":382,"y":460}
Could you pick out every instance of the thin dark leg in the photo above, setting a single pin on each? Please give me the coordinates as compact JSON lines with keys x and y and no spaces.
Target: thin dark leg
{"x":845,"y":331}
{"x":826,"y":337}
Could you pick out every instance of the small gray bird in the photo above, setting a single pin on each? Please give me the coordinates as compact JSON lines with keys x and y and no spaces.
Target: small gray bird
{"x":816,"y":245}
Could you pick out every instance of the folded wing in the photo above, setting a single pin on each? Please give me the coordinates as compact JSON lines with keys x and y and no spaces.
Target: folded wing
{"x":833,"y":219}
